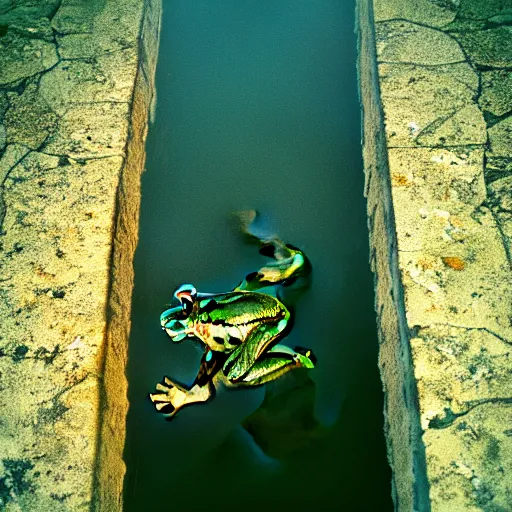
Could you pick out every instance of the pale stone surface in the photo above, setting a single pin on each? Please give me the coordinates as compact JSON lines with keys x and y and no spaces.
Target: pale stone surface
{"x":69,"y":176}
{"x":471,"y":471}
{"x":403,"y":41}
{"x":419,"y":11}
{"x":472,"y":368}
{"x":91,"y":130}
{"x":442,"y":253}
{"x":108,"y":78}
{"x":431,"y":106}
{"x":30,"y":120}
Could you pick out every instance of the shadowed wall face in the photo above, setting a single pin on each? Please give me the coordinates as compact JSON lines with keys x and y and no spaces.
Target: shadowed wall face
{"x":257,"y":108}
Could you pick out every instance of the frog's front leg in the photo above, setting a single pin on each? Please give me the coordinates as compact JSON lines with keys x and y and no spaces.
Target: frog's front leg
{"x":173,"y":396}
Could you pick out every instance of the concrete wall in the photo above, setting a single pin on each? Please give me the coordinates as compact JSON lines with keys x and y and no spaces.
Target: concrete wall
{"x":435,"y":91}
{"x":76,"y":81}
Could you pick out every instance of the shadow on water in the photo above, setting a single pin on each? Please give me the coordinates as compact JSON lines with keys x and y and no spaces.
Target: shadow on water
{"x":257,"y":108}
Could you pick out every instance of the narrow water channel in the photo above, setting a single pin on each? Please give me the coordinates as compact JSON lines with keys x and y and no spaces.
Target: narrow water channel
{"x":257,"y":108}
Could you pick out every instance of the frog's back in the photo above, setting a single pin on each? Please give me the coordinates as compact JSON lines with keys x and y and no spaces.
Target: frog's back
{"x":242,"y":307}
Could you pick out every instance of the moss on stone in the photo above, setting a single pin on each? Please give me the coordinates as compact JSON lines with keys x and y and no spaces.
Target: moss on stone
{"x":488,"y":48}
{"x":496,"y":87}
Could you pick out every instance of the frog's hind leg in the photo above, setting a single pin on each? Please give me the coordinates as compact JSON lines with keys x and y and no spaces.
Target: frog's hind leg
{"x":245,"y":355}
{"x":290,"y":262}
{"x":277,"y":361}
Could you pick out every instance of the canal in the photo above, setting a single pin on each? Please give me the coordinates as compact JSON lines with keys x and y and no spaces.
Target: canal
{"x":257,"y":109}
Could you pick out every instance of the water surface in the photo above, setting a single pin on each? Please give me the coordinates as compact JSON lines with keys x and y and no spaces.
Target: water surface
{"x":257,"y":108}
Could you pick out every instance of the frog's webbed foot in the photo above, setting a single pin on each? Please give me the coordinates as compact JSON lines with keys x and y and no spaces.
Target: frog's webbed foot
{"x":289,"y":262}
{"x":251,"y":225}
{"x":173,"y":396}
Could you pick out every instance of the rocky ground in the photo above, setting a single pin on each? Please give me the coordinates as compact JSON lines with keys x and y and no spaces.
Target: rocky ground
{"x":68,"y":74}
{"x":444,"y":72}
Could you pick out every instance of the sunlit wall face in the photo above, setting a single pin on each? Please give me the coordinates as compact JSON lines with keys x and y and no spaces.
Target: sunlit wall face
{"x":257,"y":108}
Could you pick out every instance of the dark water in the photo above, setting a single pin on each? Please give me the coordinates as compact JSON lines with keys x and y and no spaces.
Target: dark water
{"x":257,"y":108}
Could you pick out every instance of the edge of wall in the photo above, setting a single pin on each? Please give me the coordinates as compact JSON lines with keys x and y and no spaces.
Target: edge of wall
{"x":110,"y":466}
{"x":405,"y":448}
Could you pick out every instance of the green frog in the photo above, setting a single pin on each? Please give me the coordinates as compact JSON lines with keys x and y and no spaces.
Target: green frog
{"x":239,"y":329}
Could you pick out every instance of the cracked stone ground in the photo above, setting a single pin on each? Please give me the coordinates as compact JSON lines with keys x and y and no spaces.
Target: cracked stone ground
{"x":67,"y":77}
{"x":444,"y":70}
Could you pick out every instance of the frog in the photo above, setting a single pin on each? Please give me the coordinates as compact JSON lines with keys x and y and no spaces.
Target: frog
{"x":239,"y":331}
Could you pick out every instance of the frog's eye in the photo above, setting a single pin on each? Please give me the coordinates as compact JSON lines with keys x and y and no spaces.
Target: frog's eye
{"x":186,"y":294}
{"x":187,"y":305}
{"x":186,"y":291}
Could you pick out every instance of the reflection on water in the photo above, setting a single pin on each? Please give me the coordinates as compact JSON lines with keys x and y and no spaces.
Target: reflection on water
{"x":257,"y":108}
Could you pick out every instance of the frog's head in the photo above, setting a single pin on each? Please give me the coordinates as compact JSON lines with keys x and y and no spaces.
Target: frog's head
{"x":176,"y":322}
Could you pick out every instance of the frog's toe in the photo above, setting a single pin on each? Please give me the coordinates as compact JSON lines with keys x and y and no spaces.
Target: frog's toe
{"x":167,"y":409}
{"x":304,"y":357}
{"x":164,"y":407}
{"x":163,"y":403}
{"x":158,"y":397}
{"x":170,"y":397}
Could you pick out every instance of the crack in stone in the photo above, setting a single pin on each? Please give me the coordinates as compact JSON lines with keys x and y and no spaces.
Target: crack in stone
{"x":57,"y":45}
{"x":450,"y":417}
{"x":54,"y":11}
{"x":441,"y":146}
{"x":492,"y":175}
{"x":19,"y":85}
{"x":427,"y":66}
{"x":482,"y":67}
{"x":100,"y":102}
{"x":437,"y":29}
{"x":81,"y":159}
{"x":10,"y":87}
{"x":448,"y":34}
{"x":489,"y":122}
{"x":485,"y":329}
{"x":499,"y":224}
{"x":3,"y":208}
{"x":66,"y":389}
{"x":492,"y":119}
{"x":485,"y":25}
{"x":432,"y":127}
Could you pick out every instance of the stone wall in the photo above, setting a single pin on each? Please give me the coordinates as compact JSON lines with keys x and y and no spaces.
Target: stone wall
{"x":435,"y":91}
{"x":76,"y":81}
